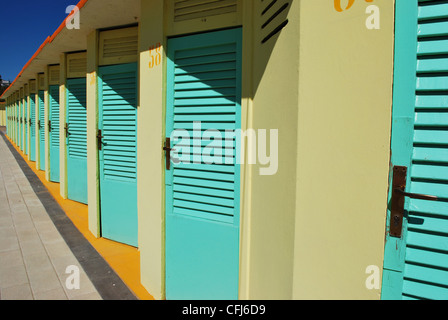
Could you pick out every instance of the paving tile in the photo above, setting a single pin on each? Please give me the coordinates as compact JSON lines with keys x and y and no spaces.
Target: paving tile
{"x":88,"y":296}
{"x":6,"y":221}
{"x":57,"y":248}
{"x":13,"y":276}
{"x":43,"y":279}
{"x":11,"y":258}
{"x":37,"y":263}
{"x":32,"y":247}
{"x":8,"y":244}
{"x":53,"y":294}
{"x":27,"y":234}
{"x":20,"y":292}
{"x":32,"y":201}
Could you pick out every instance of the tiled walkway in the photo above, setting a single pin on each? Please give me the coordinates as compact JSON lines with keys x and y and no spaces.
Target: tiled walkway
{"x":38,"y":243}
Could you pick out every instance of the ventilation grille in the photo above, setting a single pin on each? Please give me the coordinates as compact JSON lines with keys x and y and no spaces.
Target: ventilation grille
{"x":41,"y":78}
{"x":33,"y":86}
{"x":119,"y":46}
{"x":194,"y":9}
{"x":273,"y":17}
{"x":77,"y":118}
{"x":77,"y":65}
{"x":53,"y":74}
{"x":426,"y":262}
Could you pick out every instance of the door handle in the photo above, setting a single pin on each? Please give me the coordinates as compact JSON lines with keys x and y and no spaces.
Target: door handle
{"x":66,"y":130}
{"x":30,"y":122}
{"x":398,"y":199}
{"x":416,"y":195}
{"x":39,"y":124}
{"x":167,"y":149}
{"x":100,"y":137}
{"x":49,"y":125}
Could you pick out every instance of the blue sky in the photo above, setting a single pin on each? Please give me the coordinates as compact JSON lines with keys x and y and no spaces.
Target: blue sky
{"x":25,"y":25}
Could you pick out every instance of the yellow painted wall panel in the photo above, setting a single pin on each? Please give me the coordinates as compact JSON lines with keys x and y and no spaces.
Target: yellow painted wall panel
{"x":150,"y":159}
{"x":345,"y":98}
{"x":92,"y":128}
{"x":269,"y":200}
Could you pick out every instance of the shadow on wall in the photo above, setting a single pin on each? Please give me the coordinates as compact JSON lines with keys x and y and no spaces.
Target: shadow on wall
{"x":270,"y":18}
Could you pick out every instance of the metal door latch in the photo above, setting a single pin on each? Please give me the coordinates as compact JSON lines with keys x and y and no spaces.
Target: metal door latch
{"x":100,"y":137}
{"x":167,"y":149}
{"x":398,"y":199}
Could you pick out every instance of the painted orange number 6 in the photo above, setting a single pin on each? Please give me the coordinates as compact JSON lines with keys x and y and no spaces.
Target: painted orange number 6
{"x":338,"y":6}
{"x":155,"y":54}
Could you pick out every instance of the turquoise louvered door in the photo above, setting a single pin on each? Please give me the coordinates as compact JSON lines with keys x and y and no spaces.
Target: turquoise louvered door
{"x":76,"y":140}
{"x":33,"y":127}
{"x":16,"y":123}
{"x":25,"y":126}
{"x":118,"y":152}
{"x":202,"y":185}
{"x":17,"y":140}
{"x":21,"y":125}
{"x":41,"y":124}
{"x":54,"y":132}
{"x":416,"y":265}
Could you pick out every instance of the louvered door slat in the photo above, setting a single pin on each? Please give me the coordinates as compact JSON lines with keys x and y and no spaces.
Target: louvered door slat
{"x":426,"y":262}
{"x":77,"y":120}
{"x":54,"y":116}
{"x":119,"y":95}
{"x":54,"y":133}
{"x":223,"y":97}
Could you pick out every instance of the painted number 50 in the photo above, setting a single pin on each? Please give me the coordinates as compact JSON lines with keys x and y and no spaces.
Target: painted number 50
{"x":155,"y":55}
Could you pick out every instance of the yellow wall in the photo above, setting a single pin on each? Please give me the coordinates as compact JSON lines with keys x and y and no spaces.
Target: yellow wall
{"x":62,"y":121}
{"x":92,"y":128}
{"x":2,"y":117}
{"x":268,"y":213}
{"x":47,"y":132}
{"x":150,"y":159}
{"x":344,"y":123}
